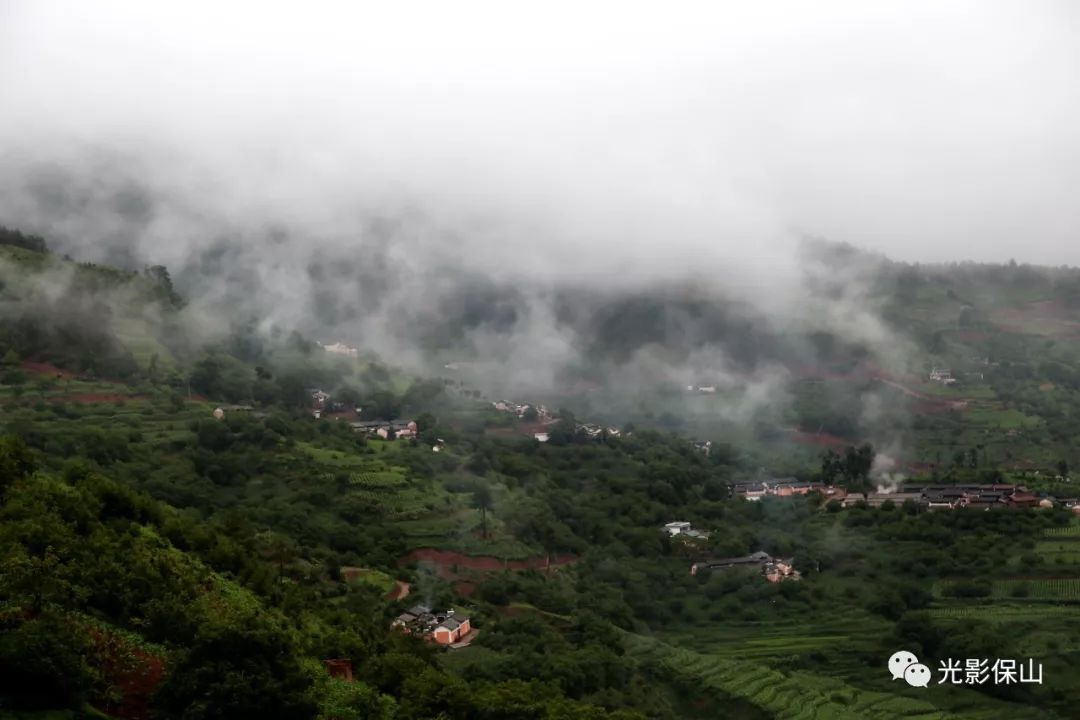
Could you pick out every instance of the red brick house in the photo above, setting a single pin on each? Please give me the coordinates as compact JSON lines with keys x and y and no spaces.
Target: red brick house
{"x":442,"y":628}
{"x":451,"y":630}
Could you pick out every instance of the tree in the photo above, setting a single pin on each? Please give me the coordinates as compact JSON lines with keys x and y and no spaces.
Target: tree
{"x":16,"y":461}
{"x":852,"y":468}
{"x":561,"y":433}
{"x":159,"y":277}
{"x":241,"y":669}
{"x":42,"y":663}
{"x":206,"y":377}
{"x":24,"y":240}
{"x":482,"y":499}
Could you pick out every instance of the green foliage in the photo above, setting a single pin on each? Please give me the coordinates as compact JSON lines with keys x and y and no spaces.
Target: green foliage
{"x":16,"y":238}
{"x":42,"y":661}
{"x":246,"y":668}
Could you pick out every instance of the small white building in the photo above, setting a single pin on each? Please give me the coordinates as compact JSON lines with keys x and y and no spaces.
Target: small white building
{"x":942,"y":375}
{"x":541,"y":437}
{"x":676,"y":528}
{"x":340,"y":349}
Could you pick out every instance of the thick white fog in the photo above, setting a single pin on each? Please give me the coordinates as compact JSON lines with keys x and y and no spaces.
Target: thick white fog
{"x":613,"y":139}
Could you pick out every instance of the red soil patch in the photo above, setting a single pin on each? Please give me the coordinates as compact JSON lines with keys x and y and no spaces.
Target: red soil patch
{"x":819,"y":439}
{"x":348,"y":574}
{"x":532,"y":428}
{"x":399,"y":591}
{"x":93,"y":398}
{"x":1051,"y":318}
{"x":447,"y":560}
{"x":343,"y":415}
{"x":132,"y":671}
{"x":1046,"y":386}
{"x":465,"y":589}
{"x":503,"y":432}
{"x":43,"y":368}
{"x":927,"y":407}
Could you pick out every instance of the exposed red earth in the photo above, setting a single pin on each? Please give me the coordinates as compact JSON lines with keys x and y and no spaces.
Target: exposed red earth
{"x":464,"y":588}
{"x":819,"y":439}
{"x":399,"y":591}
{"x":132,"y":671}
{"x":1052,"y":318}
{"x":43,"y":368}
{"x":447,"y":560}
{"x":93,"y":398}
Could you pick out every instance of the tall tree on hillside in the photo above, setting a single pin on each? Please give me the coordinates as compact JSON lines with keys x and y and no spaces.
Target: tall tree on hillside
{"x":852,"y":468}
{"x":16,"y":461}
{"x":482,"y":499}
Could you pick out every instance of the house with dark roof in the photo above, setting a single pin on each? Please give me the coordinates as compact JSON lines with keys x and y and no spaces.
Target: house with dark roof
{"x":444,"y":628}
{"x":451,"y":629}
{"x":773,"y":569}
{"x":750,"y":491}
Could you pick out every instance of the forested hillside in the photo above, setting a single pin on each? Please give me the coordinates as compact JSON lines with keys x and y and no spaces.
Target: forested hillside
{"x":190,"y":529}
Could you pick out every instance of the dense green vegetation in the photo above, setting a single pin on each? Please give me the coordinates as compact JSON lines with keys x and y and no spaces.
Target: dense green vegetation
{"x":160,"y":562}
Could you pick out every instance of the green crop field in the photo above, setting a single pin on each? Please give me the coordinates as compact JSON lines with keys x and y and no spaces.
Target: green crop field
{"x":1007,"y":419}
{"x":778,"y":639}
{"x":1069,"y":531}
{"x":1003,"y":613}
{"x":1059,"y":551}
{"x":793,"y":695}
{"x":1042,"y":589}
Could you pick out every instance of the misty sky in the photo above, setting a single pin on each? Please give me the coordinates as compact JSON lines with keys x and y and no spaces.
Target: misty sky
{"x":624,"y":138}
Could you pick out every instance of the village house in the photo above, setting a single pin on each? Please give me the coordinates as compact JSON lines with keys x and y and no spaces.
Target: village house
{"x":340,"y":349}
{"x":704,"y":446}
{"x":772,"y":569}
{"x":401,"y":429}
{"x":367,"y":427}
{"x":404,"y":430}
{"x":951,"y":497}
{"x":942,"y":375}
{"x":451,"y":629}
{"x":750,"y":491}
{"x":1022,"y":499}
{"x":590,"y":431}
{"x":683,"y":529}
{"x":541,"y":437}
{"x":877,"y":499}
{"x":778,"y":571}
{"x":444,"y":628}
{"x":788,"y":487}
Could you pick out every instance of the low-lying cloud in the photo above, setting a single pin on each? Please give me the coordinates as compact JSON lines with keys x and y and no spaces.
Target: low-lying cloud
{"x":388,"y":174}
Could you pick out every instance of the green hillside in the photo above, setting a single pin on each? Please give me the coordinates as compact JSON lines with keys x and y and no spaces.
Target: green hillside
{"x":160,"y":561}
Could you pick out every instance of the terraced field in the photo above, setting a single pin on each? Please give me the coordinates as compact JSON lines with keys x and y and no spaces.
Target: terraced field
{"x":764,"y":640}
{"x":1069,"y":531}
{"x":788,"y":696}
{"x":1059,"y":552}
{"x":1040,"y":589}
{"x":1004,"y":613}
